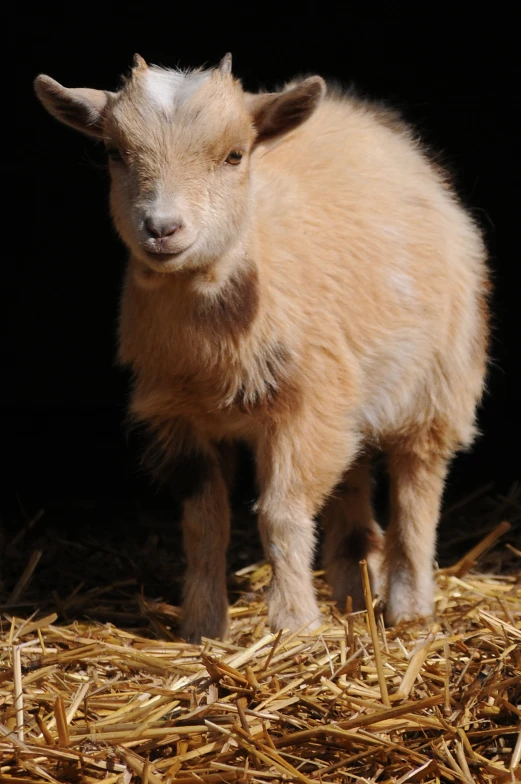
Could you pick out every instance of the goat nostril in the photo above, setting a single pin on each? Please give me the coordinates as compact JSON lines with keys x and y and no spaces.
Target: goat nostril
{"x":160,"y":229}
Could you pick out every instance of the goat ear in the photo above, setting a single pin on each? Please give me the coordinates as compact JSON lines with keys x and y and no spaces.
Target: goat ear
{"x":81,"y":107}
{"x":277,"y":113}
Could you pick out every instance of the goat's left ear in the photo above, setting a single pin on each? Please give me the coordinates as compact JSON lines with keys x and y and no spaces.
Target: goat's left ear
{"x":80,"y":107}
{"x":278,"y":113}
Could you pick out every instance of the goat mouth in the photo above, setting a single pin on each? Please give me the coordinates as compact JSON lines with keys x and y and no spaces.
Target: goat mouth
{"x":164,"y":255}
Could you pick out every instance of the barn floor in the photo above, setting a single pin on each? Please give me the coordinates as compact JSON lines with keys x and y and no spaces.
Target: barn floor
{"x":96,"y":686}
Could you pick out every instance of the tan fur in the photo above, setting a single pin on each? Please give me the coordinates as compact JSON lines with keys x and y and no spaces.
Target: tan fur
{"x":325,"y":295}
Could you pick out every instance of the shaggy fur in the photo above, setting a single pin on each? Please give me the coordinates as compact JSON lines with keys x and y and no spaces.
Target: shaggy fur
{"x":317,"y":290}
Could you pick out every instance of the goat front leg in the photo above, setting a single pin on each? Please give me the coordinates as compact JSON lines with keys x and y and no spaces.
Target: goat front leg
{"x":297,"y":468}
{"x":206,"y":530}
{"x":288,"y":537}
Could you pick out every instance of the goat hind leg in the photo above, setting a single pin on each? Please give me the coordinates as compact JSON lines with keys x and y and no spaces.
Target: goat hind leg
{"x":351,"y":534}
{"x":417,"y":471}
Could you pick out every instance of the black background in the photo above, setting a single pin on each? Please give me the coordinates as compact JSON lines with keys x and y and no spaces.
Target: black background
{"x":63,"y":396}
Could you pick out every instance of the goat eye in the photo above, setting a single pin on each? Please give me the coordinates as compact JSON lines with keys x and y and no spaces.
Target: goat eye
{"x":115,"y":155}
{"x":234,"y":158}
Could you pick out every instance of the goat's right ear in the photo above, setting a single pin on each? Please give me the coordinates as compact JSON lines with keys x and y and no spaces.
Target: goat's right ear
{"x":80,"y":107}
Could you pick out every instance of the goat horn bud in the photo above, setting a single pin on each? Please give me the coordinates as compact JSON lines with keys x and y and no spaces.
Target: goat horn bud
{"x":139,"y":63}
{"x":225,"y":66}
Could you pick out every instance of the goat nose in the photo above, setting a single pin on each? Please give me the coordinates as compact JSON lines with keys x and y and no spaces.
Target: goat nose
{"x":161,"y":228}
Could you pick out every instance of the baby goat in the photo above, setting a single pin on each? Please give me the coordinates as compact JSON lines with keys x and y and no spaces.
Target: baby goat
{"x":301,"y":278}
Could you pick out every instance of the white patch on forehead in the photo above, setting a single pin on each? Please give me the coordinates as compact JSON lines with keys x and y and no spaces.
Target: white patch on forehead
{"x":167,"y":88}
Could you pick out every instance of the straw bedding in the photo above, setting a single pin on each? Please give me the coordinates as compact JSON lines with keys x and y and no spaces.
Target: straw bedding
{"x":96,"y":686}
